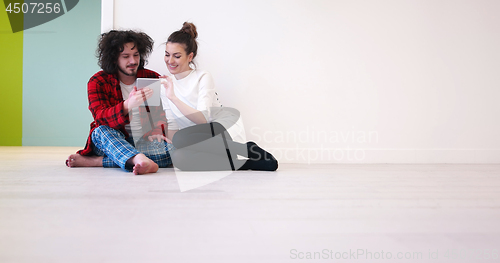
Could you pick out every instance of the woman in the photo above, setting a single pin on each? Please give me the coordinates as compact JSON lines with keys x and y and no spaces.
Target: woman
{"x":206,"y":135}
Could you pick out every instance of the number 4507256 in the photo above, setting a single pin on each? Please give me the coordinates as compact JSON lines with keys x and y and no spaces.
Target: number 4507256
{"x":38,"y":8}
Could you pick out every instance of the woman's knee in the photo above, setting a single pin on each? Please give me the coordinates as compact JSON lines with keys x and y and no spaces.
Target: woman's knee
{"x":176,"y":139}
{"x":217,"y":128}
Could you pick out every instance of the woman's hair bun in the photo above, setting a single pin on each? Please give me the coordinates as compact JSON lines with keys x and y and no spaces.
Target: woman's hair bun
{"x":187,"y":36}
{"x":189,"y":28}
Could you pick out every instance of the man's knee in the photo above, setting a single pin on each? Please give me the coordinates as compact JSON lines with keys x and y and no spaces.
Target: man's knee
{"x":106,"y":130}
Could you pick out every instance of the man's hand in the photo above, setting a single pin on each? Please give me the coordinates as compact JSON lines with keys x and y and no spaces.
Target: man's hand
{"x":137,"y":97}
{"x":159,"y":137}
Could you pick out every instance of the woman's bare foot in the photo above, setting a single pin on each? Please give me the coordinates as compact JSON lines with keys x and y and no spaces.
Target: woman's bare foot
{"x":143,"y":165}
{"x":77,"y":160}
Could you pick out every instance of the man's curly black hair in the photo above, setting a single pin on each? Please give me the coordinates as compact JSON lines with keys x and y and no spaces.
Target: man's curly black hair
{"x":111,"y":44}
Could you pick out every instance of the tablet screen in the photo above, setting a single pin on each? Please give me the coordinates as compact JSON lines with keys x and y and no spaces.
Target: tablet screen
{"x":155,"y":85}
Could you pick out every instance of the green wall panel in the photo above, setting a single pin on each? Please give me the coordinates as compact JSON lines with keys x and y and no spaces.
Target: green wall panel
{"x":57,"y":64}
{"x":11,"y":68}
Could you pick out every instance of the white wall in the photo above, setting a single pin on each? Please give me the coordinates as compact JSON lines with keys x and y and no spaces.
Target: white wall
{"x":347,"y":81}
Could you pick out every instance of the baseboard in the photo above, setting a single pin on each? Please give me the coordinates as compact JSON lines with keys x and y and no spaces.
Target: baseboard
{"x":349,"y":155}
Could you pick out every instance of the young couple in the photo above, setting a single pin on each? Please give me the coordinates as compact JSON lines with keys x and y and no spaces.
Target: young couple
{"x":190,"y":129}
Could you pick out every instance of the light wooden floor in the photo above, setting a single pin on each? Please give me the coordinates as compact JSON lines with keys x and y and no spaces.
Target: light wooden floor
{"x":51,"y":213}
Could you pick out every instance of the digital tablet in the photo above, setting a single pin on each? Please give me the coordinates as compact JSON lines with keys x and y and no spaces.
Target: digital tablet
{"x":155,"y":85}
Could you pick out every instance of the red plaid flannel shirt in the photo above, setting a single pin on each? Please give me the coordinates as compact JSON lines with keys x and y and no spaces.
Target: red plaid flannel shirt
{"x":106,"y":106}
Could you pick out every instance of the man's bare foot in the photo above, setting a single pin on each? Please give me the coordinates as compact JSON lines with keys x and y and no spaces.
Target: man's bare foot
{"x":77,"y":160}
{"x":143,"y":165}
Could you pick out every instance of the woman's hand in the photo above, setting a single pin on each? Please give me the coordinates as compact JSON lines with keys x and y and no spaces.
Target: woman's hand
{"x":159,"y":137}
{"x":189,"y":112}
{"x":169,"y":87}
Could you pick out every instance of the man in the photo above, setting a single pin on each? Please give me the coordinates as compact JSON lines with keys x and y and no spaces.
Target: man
{"x":124,"y":133}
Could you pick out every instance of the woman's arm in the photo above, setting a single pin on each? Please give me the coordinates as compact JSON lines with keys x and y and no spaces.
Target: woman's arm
{"x":192,"y":114}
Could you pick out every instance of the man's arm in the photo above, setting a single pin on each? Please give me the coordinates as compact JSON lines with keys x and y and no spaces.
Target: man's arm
{"x":104,"y":103}
{"x":107,"y":105}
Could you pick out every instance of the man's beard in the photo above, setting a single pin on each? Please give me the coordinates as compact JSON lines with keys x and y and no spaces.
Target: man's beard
{"x":133,"y":74}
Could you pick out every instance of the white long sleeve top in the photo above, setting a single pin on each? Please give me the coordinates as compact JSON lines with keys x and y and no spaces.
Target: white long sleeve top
{"x":198,"y":91}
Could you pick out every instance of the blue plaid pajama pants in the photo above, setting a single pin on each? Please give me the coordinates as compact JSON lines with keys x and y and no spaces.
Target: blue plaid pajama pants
{"x":117,"y":150}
